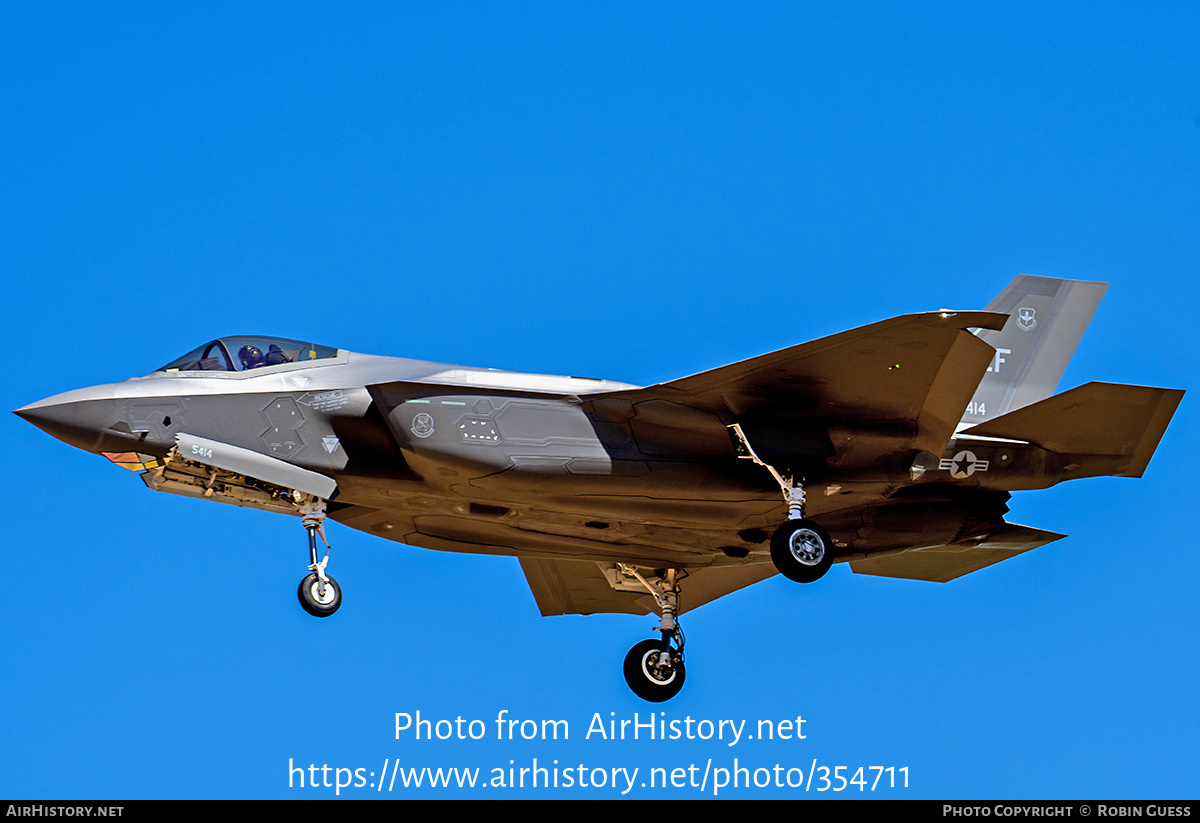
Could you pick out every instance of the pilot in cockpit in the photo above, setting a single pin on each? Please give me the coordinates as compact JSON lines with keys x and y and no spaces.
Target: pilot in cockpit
{"x":251,"y":357}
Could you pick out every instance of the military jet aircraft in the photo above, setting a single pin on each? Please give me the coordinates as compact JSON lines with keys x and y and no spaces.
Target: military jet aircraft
{"x":892,"y":447}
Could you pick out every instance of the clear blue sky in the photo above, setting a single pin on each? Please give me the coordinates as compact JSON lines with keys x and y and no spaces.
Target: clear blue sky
{"x":606,"y":190}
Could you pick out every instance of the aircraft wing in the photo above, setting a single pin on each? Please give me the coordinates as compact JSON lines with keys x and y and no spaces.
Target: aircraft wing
{"x":580,"y":587}
{"x":917,"y":370}
{"x":561,"y":585}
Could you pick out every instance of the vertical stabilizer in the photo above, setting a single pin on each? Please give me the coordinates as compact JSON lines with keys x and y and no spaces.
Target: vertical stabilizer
{"x":1047,"y":319}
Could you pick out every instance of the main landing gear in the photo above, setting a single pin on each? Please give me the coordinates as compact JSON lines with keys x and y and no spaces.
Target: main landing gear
{"x":319,"y":594}
{"x":654,"y":669}
{"x":800,"y":549}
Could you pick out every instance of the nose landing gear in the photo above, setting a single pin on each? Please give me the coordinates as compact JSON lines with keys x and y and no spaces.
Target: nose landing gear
{"x":319,"y":594}
{"x":320,"y":598}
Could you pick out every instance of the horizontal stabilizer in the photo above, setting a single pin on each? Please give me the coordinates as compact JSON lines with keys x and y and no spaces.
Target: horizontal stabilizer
{"x":940,"y":564}
{"x":1109,"y":420}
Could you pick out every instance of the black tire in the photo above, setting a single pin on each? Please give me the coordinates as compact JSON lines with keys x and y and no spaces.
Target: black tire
{"x":801,"y":550}
{"x":644,"y":680}
{"x":313,"y":603}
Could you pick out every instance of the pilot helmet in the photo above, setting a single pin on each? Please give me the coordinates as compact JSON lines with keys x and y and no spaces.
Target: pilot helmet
{"x":251,"y":357}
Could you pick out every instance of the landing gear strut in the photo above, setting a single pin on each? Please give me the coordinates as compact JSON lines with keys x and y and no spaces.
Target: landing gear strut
{"x":800,"y":549}
{"x":654,"y":669}
{"x":319,"y":594}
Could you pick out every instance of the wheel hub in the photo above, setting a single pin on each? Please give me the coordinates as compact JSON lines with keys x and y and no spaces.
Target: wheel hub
{"x":315,"y":590}
{"x":807,"y":547}
{"x":656,"y":671}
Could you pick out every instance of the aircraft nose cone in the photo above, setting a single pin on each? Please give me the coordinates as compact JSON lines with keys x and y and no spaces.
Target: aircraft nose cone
{"x":79,"y":423}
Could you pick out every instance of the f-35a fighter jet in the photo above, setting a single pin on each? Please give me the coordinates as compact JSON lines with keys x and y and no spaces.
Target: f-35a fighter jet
{"x":892,"y":447}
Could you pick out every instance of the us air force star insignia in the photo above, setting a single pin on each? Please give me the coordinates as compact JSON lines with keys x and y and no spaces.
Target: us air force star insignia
{"x":963,"y":464}
{"x":422,"y":425}
{"x":1025,"y":319}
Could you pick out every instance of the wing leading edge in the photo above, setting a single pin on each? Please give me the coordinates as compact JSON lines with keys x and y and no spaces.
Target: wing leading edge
{"x":912,"y":375}
{"x":581,"y":587}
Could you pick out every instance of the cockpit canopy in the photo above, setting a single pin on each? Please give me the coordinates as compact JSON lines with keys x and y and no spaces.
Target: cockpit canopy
{"x":236,"y":354}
